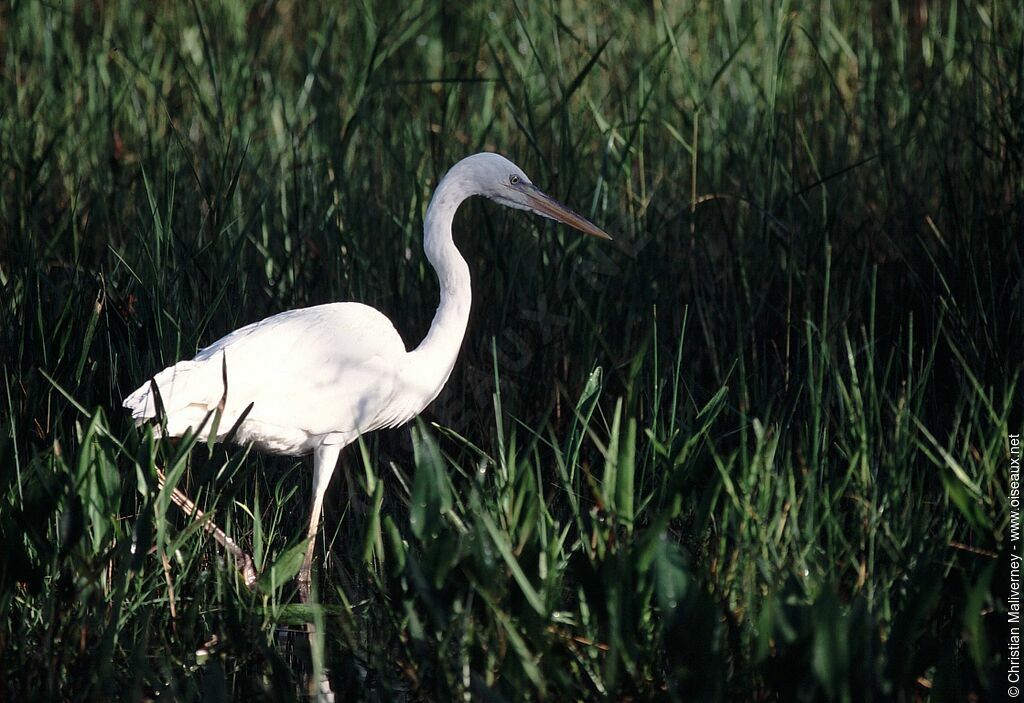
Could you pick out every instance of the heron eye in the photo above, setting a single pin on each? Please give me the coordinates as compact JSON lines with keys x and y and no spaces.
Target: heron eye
{"x":513,"y":179}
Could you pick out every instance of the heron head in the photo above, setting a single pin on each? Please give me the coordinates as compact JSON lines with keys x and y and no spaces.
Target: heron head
{"x":499,"y":179}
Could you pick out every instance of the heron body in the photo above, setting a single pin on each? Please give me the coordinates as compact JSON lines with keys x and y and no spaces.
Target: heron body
{"x":316,"y":376}
{"x":312,"y":380}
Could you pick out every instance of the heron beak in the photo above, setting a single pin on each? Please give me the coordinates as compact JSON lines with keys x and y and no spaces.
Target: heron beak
{"x":549,"y":207}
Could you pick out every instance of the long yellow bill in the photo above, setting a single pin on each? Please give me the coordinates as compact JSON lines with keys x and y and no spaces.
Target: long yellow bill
{"x":549,"y":207}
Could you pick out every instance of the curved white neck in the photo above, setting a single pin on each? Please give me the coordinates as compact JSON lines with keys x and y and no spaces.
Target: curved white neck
{"x":432,"y":361}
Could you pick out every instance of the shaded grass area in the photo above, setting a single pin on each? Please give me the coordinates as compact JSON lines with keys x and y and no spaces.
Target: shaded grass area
{"x":756,"y":448}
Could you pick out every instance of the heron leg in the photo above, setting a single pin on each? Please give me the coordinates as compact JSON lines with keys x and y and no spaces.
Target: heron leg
{"x":324,"y":461}
{"x":242,"y":560}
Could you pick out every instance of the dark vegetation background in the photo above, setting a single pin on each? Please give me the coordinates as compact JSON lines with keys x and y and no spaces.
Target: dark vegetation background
{"x":756,"y":448}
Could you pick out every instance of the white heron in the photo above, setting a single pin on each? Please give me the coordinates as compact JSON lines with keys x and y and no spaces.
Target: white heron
{"x":313,"y":380}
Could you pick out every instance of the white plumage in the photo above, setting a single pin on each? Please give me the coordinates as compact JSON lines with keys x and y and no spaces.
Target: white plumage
{"x":319,"y":375}
{"x":312,"y":380}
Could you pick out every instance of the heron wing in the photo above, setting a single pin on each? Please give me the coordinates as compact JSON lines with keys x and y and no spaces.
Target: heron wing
{"x":313,"y":371}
